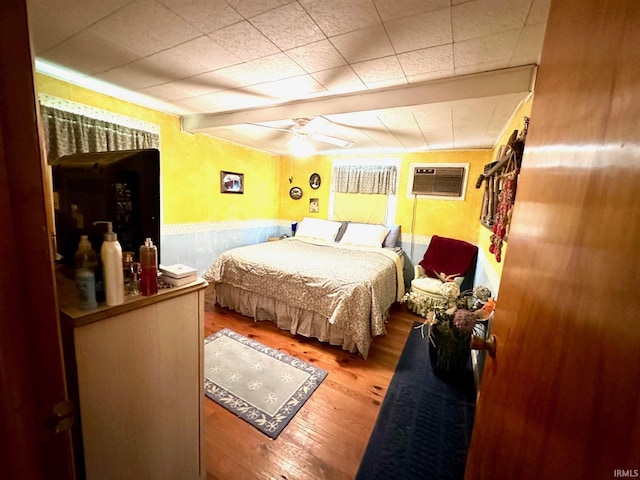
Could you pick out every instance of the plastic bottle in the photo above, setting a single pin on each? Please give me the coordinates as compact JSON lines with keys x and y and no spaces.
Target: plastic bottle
{"x":86,"y":263}
{"x":148,"y":268}
{"x":111,"y":254}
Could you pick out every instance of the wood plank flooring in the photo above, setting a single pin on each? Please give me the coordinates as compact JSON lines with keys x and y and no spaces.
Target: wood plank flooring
{"x":328,"y":436}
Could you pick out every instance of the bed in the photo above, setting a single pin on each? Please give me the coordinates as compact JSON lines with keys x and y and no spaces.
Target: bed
{"x":336,"y":291}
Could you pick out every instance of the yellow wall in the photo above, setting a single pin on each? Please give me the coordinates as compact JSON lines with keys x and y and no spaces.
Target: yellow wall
{"x":190,"y":164}
{"x":457,"y":219}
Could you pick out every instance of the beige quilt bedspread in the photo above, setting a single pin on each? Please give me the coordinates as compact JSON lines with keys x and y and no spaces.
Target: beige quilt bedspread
{"x":350,"y":286}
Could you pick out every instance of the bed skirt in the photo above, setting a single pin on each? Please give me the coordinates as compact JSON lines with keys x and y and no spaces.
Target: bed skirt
{"x":296,"y":320}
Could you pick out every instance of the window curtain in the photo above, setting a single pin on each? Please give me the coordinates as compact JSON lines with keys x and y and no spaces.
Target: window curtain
{"x":66,"y":133}
{"x":376,"y":179}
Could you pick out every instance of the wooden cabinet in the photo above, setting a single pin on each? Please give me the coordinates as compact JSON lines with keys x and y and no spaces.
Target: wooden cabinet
{"x":139,"y":370}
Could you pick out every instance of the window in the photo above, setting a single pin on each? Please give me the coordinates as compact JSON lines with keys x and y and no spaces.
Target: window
{"x":364,"y":190}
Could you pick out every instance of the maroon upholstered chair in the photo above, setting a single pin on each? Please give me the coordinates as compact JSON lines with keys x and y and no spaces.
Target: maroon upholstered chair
{"x":448,"y":257}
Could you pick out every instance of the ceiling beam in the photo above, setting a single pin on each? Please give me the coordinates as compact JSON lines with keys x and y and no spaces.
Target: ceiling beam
{"x":479,"y":85}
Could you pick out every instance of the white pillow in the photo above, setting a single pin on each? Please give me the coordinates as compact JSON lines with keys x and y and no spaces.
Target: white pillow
{"x":364,"y":235}
{"x":318,"y":228}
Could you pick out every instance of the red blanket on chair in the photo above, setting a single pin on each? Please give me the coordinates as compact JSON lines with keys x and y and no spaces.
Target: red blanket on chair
{"x":448,"y":256}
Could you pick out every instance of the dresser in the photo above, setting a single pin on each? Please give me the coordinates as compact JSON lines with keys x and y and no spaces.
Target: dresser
{"x":135,"y":372}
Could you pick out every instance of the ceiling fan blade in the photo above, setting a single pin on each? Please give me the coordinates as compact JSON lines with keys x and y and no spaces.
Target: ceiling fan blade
{"x":338,"y":142}
{"x":270,"y":127}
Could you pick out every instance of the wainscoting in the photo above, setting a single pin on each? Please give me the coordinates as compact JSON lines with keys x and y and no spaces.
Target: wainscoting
{"x":199,"y":244}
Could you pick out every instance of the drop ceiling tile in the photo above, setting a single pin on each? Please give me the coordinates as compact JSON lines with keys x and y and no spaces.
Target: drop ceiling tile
{"x":50,"y":23}
{"x":206,"y":83}
{"x":290,"y":88}
{"x":245,"y":41}
{"x":427,"y":60}
{"x":359,"y":128}
{"x":421,"y":31}
{"x":336,"y":17}
{"x":316,"y":56}
{"x":470,"y":122}
{"x":529,"y":45}
{"x":250,"y":8}
{"x":222,"y":100}
{"x":488,"y":17}
{"x":89,"y":53}
{"x":481,"y":67}
{"x":378,"y":70}
{"x":364,"y":44}
{"x":339,"y":80}
{"x":79,"y":13}
{"x":386,"y":83}
{"x":167,"y":91}
{"x":435,"y":75}
{"x":505,"y":107}
{"x":493,"y":48}
{"x":44,"y":34}
{"x":405,"y":128}
{"x":393,"y":9}
{"x":288,"y":26}
{"x":539,"y":12}
{"x":191,"y":58}
{"x":146,"y":27}
{"x":436,"y":125}
{"x":205,"y":15}
{"x":261,"y":70}
{"x":136,"y":75}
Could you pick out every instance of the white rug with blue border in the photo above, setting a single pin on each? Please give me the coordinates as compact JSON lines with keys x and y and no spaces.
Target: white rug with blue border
{"x":260,"y":384}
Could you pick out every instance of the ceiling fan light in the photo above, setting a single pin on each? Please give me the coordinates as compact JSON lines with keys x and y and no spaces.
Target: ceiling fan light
{"x":301,"y":146}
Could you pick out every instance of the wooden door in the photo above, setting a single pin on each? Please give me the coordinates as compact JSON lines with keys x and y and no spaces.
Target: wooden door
{"x":31,"y":372}
{"x":562,"y":397}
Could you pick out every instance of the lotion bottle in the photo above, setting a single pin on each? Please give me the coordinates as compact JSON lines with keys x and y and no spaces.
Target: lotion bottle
{"x":148,"y":268}
{"x":86,"y":263}
{"x":111,"y":255}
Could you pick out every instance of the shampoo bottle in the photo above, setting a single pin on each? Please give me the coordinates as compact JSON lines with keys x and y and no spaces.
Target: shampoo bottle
{"x":86,"y":264}
{"x":148,"y":268}
{"x":111,"y":254}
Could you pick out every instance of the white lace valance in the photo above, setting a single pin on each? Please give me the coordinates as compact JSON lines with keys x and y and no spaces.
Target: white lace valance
{"x":97,"y":113}
{"x":379,"y":179}
{"x":83,"y":129}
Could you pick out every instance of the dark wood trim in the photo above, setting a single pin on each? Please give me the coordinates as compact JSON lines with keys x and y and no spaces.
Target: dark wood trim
{"x":30,"y":354}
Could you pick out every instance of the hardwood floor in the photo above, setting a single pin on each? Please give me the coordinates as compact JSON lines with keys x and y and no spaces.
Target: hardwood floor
{"x":328,"y":436}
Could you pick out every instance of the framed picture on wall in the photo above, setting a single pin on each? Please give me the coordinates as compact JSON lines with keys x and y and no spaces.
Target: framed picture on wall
{"x":314,"y":205}
{"x":231,"y":182}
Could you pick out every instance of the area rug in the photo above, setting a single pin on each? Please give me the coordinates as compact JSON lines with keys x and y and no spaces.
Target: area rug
{"x":261,"y":385}
{"x":424,"y":425}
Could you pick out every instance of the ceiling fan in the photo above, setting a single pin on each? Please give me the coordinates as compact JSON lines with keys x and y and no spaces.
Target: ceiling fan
{"x":304,"y":129}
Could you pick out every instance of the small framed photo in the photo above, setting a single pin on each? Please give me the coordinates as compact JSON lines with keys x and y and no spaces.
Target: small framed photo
{"x":314,"y":205}
{"x":231,"y":182}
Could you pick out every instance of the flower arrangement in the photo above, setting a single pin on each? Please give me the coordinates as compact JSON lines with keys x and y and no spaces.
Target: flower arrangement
{"x":452,"y":319}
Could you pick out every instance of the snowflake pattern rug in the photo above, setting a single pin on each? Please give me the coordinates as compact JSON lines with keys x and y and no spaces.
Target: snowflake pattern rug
{"x":261,"y":385}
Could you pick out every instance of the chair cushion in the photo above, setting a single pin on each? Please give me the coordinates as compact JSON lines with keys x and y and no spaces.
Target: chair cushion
{"x":426,"y":285}
{"x":448,"y":256}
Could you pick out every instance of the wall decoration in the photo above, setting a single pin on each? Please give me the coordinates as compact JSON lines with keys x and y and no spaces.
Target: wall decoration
{"x":295,"y":193}
{"x":314,"y":205}
{"x":314,"y":181}
{"x":231,"y":182}
{"x":500,"y":179}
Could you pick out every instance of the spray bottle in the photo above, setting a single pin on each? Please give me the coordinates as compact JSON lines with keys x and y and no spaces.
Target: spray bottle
{"x":111,"y":254}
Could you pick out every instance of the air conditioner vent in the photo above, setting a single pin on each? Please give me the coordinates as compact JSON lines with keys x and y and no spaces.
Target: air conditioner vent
{"x":438,"y":181}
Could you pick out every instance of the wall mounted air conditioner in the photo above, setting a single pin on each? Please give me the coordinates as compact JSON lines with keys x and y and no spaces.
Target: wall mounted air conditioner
{"x":445,"y":181}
